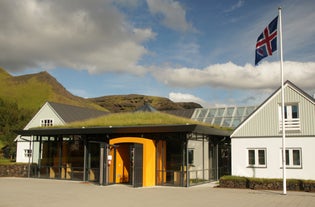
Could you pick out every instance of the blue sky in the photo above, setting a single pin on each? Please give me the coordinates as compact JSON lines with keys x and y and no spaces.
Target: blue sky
{"x":186,"y":50}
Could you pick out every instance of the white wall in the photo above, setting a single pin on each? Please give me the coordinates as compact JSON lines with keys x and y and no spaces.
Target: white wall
{"x":20,"y":151}
{"x":273,"y":146}
{"x":46,"y":112}
{"x":199,"y":159}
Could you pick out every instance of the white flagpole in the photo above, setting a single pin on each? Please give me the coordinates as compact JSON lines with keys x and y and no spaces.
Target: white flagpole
{"x":282,"y":107}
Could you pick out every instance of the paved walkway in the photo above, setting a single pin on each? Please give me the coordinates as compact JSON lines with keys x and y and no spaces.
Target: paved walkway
{"x":23,"y":192}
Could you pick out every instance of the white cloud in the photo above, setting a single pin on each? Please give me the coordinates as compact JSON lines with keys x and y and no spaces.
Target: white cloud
{"x":186,"y":97}
{"x":238,"y":5}
{"x":86,"y":35}
{"x":183,"y":97}
{"x":230,"y":76}
{"x":174,"y":15}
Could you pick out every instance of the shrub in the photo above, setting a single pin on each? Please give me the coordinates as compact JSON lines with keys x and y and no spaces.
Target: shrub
{"x":309,"y":185}
{"x":266,"y":183}
{"x":233,"y":182}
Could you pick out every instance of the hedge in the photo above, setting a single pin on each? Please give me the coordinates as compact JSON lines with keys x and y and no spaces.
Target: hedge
{"x":266,"y":184}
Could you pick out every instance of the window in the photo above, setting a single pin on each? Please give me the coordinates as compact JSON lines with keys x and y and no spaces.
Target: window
{"x":257,"y":158}
{"x":291,"y":117}
{"x":190,"y":156}
{"x":291,"y":111}
{"x":27,"y":152}
{"x":293,"y":157}
{"x":46,"y":122}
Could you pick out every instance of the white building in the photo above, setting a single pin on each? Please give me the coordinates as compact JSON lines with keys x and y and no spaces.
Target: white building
{"x":50,"y":114}
{"x":256,"y":144}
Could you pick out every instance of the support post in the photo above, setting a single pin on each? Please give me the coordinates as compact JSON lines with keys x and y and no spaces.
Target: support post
{"x":101,"y":180}
{"x":85,"y":161}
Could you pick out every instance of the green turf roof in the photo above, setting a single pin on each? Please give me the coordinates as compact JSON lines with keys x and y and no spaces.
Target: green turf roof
{"x":134,"y":119}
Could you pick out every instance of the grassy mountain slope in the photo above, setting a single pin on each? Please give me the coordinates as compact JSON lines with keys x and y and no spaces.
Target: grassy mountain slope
{"x":33,"y":90}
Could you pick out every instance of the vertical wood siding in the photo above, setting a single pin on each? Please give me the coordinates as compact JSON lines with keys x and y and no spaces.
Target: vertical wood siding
{"x":265,"y":122}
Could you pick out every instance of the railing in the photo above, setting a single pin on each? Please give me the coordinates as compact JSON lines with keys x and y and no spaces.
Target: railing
{"x":60,"y":172}
{"x":179,"y":178}
{"x":171,"y":177}
{"x":198,"y":176}
{"x":290,"y":124}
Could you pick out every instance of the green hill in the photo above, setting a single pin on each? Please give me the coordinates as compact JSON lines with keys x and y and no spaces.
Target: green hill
{"x":33,"y":90}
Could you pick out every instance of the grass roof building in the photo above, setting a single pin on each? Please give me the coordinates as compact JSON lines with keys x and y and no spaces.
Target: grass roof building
{"x":140,"y":149}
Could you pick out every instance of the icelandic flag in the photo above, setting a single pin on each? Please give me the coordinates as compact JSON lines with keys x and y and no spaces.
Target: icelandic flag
{"x":267,"y":41}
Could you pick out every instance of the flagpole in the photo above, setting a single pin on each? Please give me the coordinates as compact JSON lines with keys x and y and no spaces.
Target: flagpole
{"x":284,"y":176}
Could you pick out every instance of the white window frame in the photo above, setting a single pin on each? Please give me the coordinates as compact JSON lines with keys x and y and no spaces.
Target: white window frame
{"x":257,"y":163}
{"x":46,"y":122}
{"x":290,"y":161}
{"x":291,"y":124}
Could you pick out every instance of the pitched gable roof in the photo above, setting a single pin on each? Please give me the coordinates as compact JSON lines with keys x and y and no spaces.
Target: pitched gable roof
{"x":259,"y":108}
{"x":146,"y":108}
{"x":74,"y":113}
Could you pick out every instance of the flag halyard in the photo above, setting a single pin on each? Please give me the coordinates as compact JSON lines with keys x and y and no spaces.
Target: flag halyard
{"x":267,"y":41}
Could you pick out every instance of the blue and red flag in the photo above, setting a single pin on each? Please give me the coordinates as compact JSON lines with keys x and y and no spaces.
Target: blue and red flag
{"x":267,"y":41}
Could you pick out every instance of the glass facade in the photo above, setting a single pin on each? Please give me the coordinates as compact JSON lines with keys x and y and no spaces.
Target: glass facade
{"x":181,"y":159}
{"x":229,"y":117}
{"x":196,"y":160}
{"x":61,"y":158}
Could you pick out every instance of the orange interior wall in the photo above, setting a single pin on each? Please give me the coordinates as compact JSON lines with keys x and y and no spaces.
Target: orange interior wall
{"x":122,"y":164}
{"x":161,"y":161}
{"x":149,"y":158}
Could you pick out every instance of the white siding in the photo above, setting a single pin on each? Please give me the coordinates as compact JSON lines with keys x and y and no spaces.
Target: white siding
{"x":265,"y":121}
{"x":273,"y":146}
{"x":46,"y":112}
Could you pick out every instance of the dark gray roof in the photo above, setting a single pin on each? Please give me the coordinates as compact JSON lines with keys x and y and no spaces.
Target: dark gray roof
{"x":146,"y":108}
{"x":186,"y":113}
{"x":74,"y":113}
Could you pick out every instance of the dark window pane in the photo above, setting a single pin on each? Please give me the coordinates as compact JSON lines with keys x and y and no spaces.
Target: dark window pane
{"x":296,"y":157}
{"x":190,"y":156}
{"x":295,"y":113}
{"x":251,"y":157}
{"x":287,"y":157}
{"x":261,"y":157}
{"x":285,"y":112}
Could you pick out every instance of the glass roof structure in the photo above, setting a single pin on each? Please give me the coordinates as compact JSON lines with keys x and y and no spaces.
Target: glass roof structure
{"x":223,"y":116}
